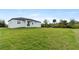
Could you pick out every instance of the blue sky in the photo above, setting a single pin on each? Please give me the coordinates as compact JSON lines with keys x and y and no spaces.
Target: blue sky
{"x":40,"y":14}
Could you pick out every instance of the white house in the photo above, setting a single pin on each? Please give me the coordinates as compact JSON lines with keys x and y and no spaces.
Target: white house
{"x":23,"y":22}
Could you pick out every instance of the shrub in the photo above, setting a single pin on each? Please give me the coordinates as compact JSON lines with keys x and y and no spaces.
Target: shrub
{"x":75,"y":26}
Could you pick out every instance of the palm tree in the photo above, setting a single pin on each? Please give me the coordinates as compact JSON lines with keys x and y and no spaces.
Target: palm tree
{"x":54,"y":21}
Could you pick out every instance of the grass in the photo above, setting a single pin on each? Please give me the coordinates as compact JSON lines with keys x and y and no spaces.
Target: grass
{"x":38,"y":39}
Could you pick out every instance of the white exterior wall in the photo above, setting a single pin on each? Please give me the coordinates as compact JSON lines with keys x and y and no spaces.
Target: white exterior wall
{"x":35,"y":24}
{"x":13,"y":24}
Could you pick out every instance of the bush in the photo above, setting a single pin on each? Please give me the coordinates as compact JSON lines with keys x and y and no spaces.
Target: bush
{"x":75,"y":26}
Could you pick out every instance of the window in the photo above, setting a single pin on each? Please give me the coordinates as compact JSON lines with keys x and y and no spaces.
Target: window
{"x":32,"y":23}
{"x":18,"y":22}
{"x":24,"y":21}
{"x":28,"y":23}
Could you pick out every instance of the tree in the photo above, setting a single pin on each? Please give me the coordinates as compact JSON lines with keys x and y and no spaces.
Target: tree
{"x":45,"y":23}
{"x":63,"y":23}
{"x":54,"y":21}
{"x":72,"y":22}
{"x":2,"y":23}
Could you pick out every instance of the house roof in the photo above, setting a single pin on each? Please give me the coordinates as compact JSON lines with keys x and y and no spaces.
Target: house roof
{"x":21,"y":18}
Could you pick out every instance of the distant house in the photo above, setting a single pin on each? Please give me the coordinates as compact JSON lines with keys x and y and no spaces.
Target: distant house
{"x":23,"y":22}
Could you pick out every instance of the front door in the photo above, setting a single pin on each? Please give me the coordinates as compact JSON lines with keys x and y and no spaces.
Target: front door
{"x":28,"y":23}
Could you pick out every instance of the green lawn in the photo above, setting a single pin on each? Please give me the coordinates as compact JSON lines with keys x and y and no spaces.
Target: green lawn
{"x":39,"y":39}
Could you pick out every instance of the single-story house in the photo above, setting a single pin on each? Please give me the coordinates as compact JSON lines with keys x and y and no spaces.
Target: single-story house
{"x":23,"y":22}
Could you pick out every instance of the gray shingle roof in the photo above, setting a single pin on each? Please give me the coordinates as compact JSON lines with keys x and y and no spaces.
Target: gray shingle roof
{"x":22,"y":18}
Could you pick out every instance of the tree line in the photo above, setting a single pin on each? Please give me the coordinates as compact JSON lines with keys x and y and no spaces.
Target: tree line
{"x":61,"y":24}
